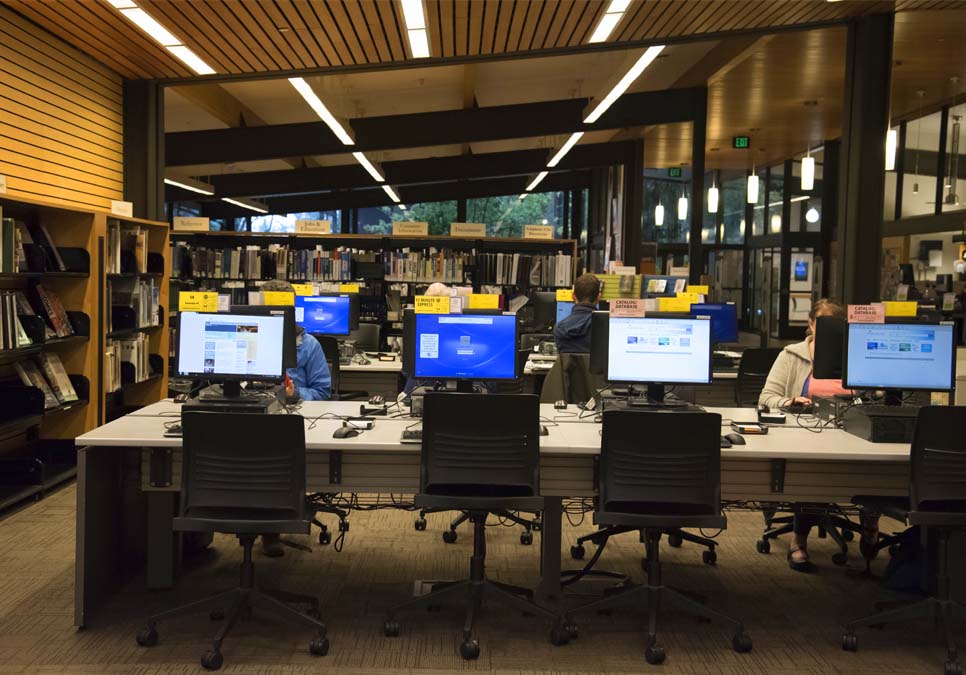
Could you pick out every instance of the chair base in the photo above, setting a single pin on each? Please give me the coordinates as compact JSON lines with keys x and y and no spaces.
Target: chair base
{"x":838,"y":528}
{"x":675,"y":537}
{"x":450,"y":535}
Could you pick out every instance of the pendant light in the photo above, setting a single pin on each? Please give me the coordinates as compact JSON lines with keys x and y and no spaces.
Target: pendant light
{"x":721,"y":233}
{"x":741,"y":227}
{"x":659,"y":214}
{"x":812,"y":215}
{"x":892,"y":141}
{"x":776,"y":223}
{"x":915,"y":185}
{"x":753,"y":187}
{"x":808,"y":171}
{"x":713,"y":196}
{"x":683,"y":207}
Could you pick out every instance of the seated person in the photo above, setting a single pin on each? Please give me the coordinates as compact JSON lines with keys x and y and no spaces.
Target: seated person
{"x":790,"y":381}
{"x":573,"y":333}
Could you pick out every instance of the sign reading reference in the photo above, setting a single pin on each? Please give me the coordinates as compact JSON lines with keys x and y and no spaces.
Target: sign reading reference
{"x":538,"y":231}
{"x":467,"y":230}
{"x":410,"y":229}
{"x":198,"y":301}
{"x":565,"y":295}
{"x":348,"y":288}
{"x":484,"y":301}
{"x":191,"y":224}
{"x":313,"y":227}
{"x":905,"y":308}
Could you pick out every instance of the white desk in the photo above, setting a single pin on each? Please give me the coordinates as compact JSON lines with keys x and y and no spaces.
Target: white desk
{"x":375,"y":377}
{"x":374,"y":366}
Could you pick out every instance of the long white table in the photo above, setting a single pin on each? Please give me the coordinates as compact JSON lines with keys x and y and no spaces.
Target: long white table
{"x":129,"y":460}
{"x":375,"y":377}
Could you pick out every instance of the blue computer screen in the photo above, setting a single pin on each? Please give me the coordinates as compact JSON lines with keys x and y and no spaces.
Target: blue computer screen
{"x":328,"y":315}
{"x":899,"y":356}
{"x":724,"y":320}
{"x":563,"y":310}
{"x":453,"y":346}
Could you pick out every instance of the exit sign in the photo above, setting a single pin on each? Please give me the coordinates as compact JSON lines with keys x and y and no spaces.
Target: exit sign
{"x":741,"y":142}
{"x":674,"y":172}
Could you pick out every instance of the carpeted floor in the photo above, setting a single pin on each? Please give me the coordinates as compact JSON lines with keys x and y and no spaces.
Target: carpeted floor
{"x":794,"y":619}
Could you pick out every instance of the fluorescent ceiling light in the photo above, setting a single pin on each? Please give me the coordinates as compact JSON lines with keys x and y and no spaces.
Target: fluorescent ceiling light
{"x":303,"y":88}
{"x":808,"y":173}
{"x":536,"y":181}
{"x":191,"y":184}
{"x":367,"y":165}
{"x":122,"y":4}
{"x":618,"y":6}
{"x":402,"y":206}
{"x":892,"y":141}
{"x":192,"y":60}
{"x":416,"y":28}
{"x":247,"y":204}
{"x":635,"y":71}
{"x":522,"y":196}
{"x":392,"y":193}
{"x":418,"y":43}
{"x":147,"y":23}
{"x":571,"y":142}
{"x":615,"y":11}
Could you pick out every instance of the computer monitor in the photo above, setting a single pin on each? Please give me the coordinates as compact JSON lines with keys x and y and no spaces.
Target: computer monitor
{"x":900,"y":356}
{"x":465,"y":347}
{"x":599,"y":332}
{"x":324,"y":314}
{"x":658,"y":351}
{"x":289,"y":350}
{"x":564,"y":309}
{"x":544,"y":311}
{"x":829,"y":344}
{"x":231,"y":347}
{"x":724,"y":320}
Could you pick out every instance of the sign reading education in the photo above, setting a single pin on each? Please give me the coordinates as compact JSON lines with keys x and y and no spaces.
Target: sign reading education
{"x":538,"y":231}
{"x":426,"y":304}
{"x":410,"y":229}
{"x":197,"y":301}
{"x":874,"y":313}
{"x":467,"y":230}
{"x":627,"y":307}
{"x":313,"y":226}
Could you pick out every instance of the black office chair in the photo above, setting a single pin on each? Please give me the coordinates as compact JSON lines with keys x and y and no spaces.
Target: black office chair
{"x":661,"y":471}
{"x":570,"y":380}
{"x":753,"y":369}
{"x":330,"y":347}
{"x":480,"y":454}
{"x":937,"y":503}
{"x":243,"y":474}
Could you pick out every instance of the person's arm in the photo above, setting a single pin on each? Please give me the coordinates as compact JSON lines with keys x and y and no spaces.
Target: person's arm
{"x":318,"y":379}
{"x":773,"y":394}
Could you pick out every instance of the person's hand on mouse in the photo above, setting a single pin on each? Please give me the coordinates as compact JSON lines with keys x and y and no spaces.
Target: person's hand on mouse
{"x":801,"y":400}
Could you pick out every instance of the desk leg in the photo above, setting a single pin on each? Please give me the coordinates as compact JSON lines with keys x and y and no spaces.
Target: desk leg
{"x":163,"y":549}
{"x":549,"y":593}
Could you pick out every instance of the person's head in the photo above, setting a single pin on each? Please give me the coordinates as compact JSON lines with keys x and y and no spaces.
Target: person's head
{"x":586,"y":289}
{"x":437,"y":290}
{"x":824,"y":307}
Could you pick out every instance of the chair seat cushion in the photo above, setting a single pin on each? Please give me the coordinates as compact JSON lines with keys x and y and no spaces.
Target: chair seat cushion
{"x":241,"y":521}
{"x":530,"y":504}
{"x":896,"y":508}
{"x":661,"y":520}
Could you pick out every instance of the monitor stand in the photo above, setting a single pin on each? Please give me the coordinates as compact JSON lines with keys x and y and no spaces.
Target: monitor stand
{"x":654,"y":399}
{"x":233,"y":400}
{"x":464,"y":386}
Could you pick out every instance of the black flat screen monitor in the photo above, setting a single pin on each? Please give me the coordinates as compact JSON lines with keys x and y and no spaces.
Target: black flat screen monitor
{"x":900,"y":356}
{"x":289,"y":352}
{"x":829,"y":347}
{"x":231,"y":346}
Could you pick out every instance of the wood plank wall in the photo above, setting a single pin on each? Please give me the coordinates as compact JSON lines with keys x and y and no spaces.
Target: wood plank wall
{"x":60,"y":119}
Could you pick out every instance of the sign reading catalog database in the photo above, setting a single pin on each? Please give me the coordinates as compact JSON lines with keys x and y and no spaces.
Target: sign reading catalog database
{"x":538,"y":231}
{"x":476,"y":230}
{"x":191,"y":224}
{"x":303,"y":226}
{"x":411,"y":228}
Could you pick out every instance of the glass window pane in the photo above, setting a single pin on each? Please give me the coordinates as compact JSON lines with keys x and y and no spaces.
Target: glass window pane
{"x":733,"y":204}
{"x":376,"y":219}
{"x":758,"y":211}
{"x":921,"y":162}
{"x":954,"y":194}
{"x":286,"y":223}
{"x":438,"y":214}
{"x":506,"y":215}
{"x":666,"y":194}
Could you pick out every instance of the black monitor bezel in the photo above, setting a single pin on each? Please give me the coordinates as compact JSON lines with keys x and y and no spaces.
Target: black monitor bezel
{"x":903,"y":322}
{"x":353,"y":312}
{"x":409,"y":348}
{"x":287,"y":336}
{"x":657,"y":316}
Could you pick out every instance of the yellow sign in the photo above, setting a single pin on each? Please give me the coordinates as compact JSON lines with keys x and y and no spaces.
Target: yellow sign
{"x":348,"y":288}
{"x":304,"y":289}
{"x":426,"y":304}
{"x":904,"y":308}
{"x":538,"y":231}
{"x":484,"y":301}
{"x":694,"y":288}
{"x":467,"y":229}
{"x":692,"y":297}
{"x":278,"y":298}
{"x":197,"y":301}
{"x":410,"y":229}
{"x":674,"y":304}
{"x":565,"y":295}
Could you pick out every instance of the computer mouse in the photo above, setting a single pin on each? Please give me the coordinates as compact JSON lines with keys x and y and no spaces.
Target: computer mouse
{"x":376,"y":400}
{"x":345,"y":432}
{"x":725,"y":443}
{"x":736,"y":439}
{"x":544,"y":431}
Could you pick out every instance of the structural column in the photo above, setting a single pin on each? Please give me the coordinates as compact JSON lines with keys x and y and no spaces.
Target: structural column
{"x":633,"y":203}
{"x":144,"y":147}
{"x":696,"y":211}
{"x":868,"y":83}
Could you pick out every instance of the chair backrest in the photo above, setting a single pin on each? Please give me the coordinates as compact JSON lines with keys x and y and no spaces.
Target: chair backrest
{"x":480,"y":444}
{"x":366,"y":336}
{"x":660,"y":462}
{"x":570,"y":380}
{"x":753,"y":369}
{"x":938,"y":471}
{"x":243,"y":461}
{"x":330,"y":347}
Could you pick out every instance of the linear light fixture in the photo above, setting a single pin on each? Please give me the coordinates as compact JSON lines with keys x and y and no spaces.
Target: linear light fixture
{"x":571,"y":142}
{"x":247,"y":204}
{"x":612,"y":17}
{"x":682,"y":207}
{"x":536,"y":181}
{"x":334,"y":123}
{"x":147,"y":23}
{"x":635,"y":71}
{"x":416,"y":28}
{"x":368,"y":166}
{"x":191,"y":184}
{"x":392,"y":194}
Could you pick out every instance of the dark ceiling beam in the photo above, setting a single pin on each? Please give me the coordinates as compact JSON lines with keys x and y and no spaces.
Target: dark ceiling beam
{"x":450,"y":127}
{"x":406,"y":172}
{"x":413,"y":194}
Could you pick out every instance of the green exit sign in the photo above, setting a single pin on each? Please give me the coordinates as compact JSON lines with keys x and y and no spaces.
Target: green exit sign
{"x":674,"y":172}
{"x":741,"y":142}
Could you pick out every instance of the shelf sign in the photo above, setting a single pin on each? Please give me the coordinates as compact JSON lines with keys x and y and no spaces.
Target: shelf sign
{"x":674,"y":172}
{"x":895,"y":308}
{"x":741,"y":142}
{"x":874,"y":313}
{"x":538,"y":231}
{"x":949,"y":302}
{"x":121,"y":208}
{"x":700,"y":290}
{"x":313,"y":226}
{"x":426,"y":304}
{"x":278,"y":298}
{"x":348,"y":288}
{"x":692,"y":297}
{"x":3,"y":185}
{"x":627,"y":307}
{"x":303,"y":289}
{"x":410,"y":229}
{"x":467,"y":230}
{"x":565,"y":295}
{"x":484,"y":301}
{"x":191,"y":224}
{"x":678,"y":304}
{"x":197,"y":301}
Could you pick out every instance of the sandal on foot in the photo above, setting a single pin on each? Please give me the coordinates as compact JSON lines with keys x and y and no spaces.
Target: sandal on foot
{"x":799,"y":565}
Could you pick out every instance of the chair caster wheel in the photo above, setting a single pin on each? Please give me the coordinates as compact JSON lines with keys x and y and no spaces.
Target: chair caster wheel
{"x":216,"y":615}
{"x":212,"y":660}
{"x":848,"y":535}
{"x":850,"y":643}
{"x":577,"y":552}
{"x":319,"y":646}
{"x":654,"y":655}
{"x":390,"y":628}
{"x":559,"y":636}
{"x":420,"y":524}
{"x":324,"y":537}
{"x":572,"y":630}
{"x":526,"y":538}
{"x":763,"y":546}
{"x":675,"y":540}
{"x":893,"y":550}
{"x":709,"y":557}
{"x":470,"y":649}
{"x":449,"y":536}
{"x":741,"y":643}
{"x":952,"y":668}
{"x":147,"y":637}
{"x":840,"y":558}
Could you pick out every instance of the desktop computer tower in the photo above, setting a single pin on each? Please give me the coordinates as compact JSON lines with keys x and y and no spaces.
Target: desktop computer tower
{"x":259,"y":405}
{"x":879,"y":425}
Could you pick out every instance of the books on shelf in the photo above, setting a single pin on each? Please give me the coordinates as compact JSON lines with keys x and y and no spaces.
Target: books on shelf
{"x":56,"y":375}
{"x":141,"y":294}
{"x":12,"y":333}
{"x":134,"y":351}
{"x":427,"y":265}
{"x":31,"y":376}
{"x":130,"y":239}
{"x":275,"y":261}
{"x":523,"y":270}
{"x":52,"y":311}
{"x":41,"y":237}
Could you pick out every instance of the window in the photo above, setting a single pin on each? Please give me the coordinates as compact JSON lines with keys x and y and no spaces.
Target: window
{"x":286,"y":223}
{"x":506,"y":215}
{"x":954,"y":189}
{"x":438,"y":214}
{"x":733,"y":202}
{"x":665,"y":193}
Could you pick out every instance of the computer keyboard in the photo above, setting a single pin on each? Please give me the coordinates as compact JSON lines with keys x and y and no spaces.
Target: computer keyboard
{"x":411,"y":436}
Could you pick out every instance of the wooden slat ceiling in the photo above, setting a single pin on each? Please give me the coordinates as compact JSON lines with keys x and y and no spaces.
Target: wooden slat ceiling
{"x":256,"y":36}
